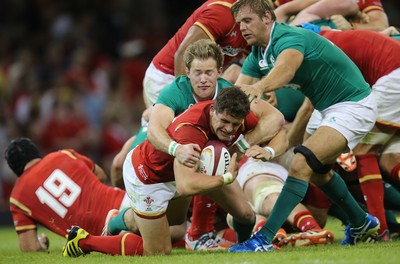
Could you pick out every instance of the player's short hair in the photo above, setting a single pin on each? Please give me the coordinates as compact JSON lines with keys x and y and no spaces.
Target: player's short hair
{"x":234,"y":101}
{"x":19,"y":152}
{"x":257,"y":6}
{"x":203,"y":49}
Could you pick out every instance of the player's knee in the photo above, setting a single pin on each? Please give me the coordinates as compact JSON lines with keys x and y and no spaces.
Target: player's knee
{"x":157,"y":249}
{"x":311,"y":160}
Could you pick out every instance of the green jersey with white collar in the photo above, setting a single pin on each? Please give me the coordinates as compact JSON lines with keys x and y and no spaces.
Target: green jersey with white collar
{"x":326,"y":75}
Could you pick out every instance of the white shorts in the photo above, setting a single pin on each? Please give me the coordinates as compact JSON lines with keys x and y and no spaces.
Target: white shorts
{"x":147,"y":200}
{"x":387,"y":94}
{"x":393,"y":146}
{"x":351,"y":119}
{"x":154,"y":81}
{"x":274,"y":174}
{"x":252,"y":168}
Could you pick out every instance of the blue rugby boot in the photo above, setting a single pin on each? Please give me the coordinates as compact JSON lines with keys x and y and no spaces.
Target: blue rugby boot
{"x":255,"y":243}
{"x":362,"y":233}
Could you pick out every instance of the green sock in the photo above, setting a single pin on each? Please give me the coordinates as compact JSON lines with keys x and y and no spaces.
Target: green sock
{"x":337,"y":191}
{"x":391,"y":197}
{"x":292,"y":193}
{"x":117,"y":223}
{"x":243,"y":231}
{"x":391,"y":220}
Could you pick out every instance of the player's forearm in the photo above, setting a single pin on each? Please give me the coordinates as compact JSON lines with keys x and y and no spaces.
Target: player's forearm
{"x":179,"y":66}
{"x":188,"y":182}
{"x":278,"y":77}
{"x":267,"y":127}
{"x":159,"y":137}
{"x":279,"y":143}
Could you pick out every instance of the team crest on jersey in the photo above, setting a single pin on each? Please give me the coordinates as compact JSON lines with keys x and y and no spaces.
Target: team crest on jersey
{"x":234,"y":33}
{"x":272,"y":60}
{"x":263,"y":65}
{"x":230,"y":51}
{"x":148,"y":200}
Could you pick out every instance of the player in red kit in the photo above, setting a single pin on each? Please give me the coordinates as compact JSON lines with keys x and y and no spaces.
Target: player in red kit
{"x":60,"y":190}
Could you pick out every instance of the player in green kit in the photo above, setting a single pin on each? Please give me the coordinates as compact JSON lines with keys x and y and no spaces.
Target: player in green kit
{"x":289,"y":56}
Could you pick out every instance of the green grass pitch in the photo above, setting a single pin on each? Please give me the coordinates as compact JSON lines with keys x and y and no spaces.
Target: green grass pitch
{"x":388,"y":252}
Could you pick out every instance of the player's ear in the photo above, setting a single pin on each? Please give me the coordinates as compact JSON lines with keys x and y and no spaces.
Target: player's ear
{"x":187,"y":71}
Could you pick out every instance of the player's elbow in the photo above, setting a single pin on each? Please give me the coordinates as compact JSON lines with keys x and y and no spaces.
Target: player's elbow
{"x":183,"y":190}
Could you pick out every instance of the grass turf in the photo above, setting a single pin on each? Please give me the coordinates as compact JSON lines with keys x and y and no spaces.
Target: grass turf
{"x":388,"y":252}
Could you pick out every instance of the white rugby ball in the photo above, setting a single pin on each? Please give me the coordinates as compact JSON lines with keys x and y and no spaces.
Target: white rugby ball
{"x":214,"y":158}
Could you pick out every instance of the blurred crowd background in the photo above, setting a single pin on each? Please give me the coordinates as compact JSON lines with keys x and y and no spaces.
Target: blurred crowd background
{"x":71,"y":71}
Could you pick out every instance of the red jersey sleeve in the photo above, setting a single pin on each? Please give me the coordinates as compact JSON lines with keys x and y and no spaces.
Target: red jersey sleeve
{"x":369,"y":5}
{"x":210,"y":20}
{"x":250,"y":122}
{"x":22,"y":221}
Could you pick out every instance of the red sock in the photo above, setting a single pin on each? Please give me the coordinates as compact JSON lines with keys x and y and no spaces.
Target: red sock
{"x":126,"y":245}
{"x":395,"y":173}
{"x":204,"y":210}
{"x":229,"y":235}
{"x":371,"y":185}
{"x":179,"y":244}
{"x":305,"y":221}
{"x":316,"y":198}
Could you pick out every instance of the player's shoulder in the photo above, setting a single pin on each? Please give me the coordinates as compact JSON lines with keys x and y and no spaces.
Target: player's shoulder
{"x":223,"y":3}
{"x":224,"y":83}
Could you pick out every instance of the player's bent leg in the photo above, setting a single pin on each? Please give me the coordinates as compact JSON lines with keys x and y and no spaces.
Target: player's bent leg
{"x":155,"y":234}
{"x":231,"y":198}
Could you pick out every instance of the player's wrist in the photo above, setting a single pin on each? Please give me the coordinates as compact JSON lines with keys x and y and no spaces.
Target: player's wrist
{"x":270,"y":151}
{"x":228,"y":178}
{"x":172,"y":147}
{"x":242,"y":144}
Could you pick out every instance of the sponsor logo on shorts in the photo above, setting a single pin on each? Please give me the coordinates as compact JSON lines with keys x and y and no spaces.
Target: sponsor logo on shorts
{"x":142,"y":172}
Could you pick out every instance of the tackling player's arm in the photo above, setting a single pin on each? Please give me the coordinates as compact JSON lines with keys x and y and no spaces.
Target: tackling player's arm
{"x":377,"y":21}
{"x":29,"y":241}
{"x":270,"y":121}
{"x":286,"y":65}
{"x":99,"y":172}
{"x":285,"y":11}
{"x":161,"y":118}
{"x":195,"y":33}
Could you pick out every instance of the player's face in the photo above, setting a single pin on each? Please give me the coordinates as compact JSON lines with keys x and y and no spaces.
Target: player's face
{"x":203,"y":75}
{"x":224,"y":125}
{"x":254,"y":29}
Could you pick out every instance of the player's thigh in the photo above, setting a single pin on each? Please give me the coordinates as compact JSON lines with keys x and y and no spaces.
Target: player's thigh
{"x":326,"y":144}
{"x":155,"y":234}
{"x":231,"y":198}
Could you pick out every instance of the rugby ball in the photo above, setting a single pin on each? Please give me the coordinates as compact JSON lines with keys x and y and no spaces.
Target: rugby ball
{"x":214,"y":158}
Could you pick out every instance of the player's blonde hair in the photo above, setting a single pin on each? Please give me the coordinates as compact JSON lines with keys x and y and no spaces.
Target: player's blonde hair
{"x":202,"y":50}
{"x":257,"y":6}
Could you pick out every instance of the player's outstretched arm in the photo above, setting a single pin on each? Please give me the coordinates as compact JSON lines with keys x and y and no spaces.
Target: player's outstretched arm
{"x":195,"y":33}
{"x":29,"y":241}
